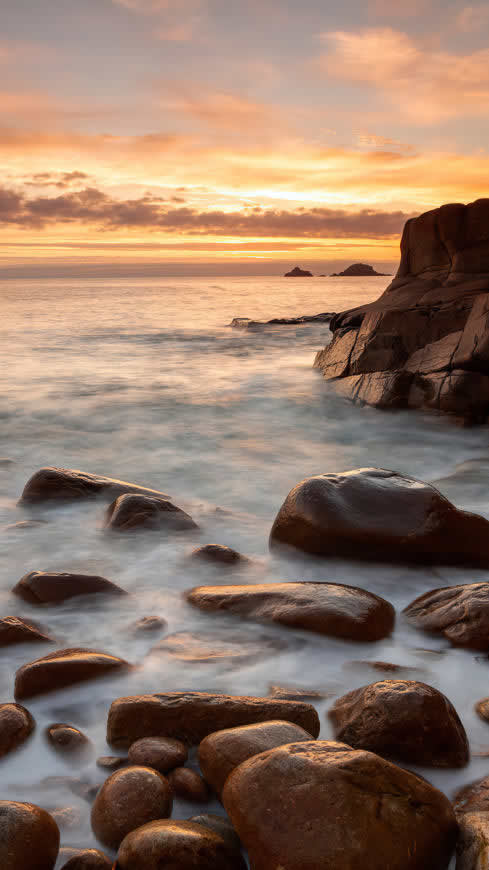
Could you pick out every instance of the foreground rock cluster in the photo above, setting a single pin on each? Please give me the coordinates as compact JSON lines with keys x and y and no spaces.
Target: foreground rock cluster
{"x":289,"y":799}
{"x":425,"y":342}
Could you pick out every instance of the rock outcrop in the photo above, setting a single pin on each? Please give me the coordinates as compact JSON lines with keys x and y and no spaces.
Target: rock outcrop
{"x":297,"y":272}
{"x":425,"y":342}
{"x":247,"y":323}
{"x":372,"y":513}
{"x":359,"y":270}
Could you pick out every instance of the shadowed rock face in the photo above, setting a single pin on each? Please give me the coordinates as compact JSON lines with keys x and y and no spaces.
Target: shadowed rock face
{"x":425,"y":342}
{"x":460,"y":613}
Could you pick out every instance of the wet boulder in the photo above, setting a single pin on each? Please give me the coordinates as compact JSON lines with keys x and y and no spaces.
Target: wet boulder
{"x":374,"y":514}
{"x":16,"y":725}
{"x":220,"y":825}
{"x":48,"y":587}
{"x":88,"y":859}
{"x":161,"y":753}
{"x":188,"y":785}
{"x":29,"y":837}
{"x":131,"y":512}
{"x":191,"y":716}
{"x":65,"y":667}
{"x":185,"y":845}
{"x":402,"y":719}
{"x":221,"y":752}
{"x":327,"y":608}
{"x":53,"y":484}
{"x":218,"y":554}
{"x":459,"y":613}
{"x":129,"y":798}
{"x":471,"y":805}
{"x":14,"y":630}
{"x":69,"y":741}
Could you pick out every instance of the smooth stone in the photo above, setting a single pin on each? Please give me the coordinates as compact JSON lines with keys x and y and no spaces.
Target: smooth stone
{"x":129,"y":798}
{"x":380,"y":515}
{"x":148,"y":624}
{"x":332,"y":609}
{"x":295,"y":693}
{"x":220,"y":825}
{"x":221,"y":752}
{"x":471,"y":805}
{"x":88,"y":859}
{"x":13,"y":630}
{"x":177,"y":844}
{"x":43,"y":587}
{"x":62,"y":668}
{"x":324,"y":805}
{"x":459,"y":613}
{"x":189,"y":785}
{"x":23,"y":525}
{"x":402,"y":719}
{"x":53,"y":484}
{"x":191,"y":716}
{"x":161,"y":753}
{"x":112,"y":762}
{"x":16,"y":725}
{"x":218,"y":554}
{"x":29,"y":837}
{"x":129,"y":513}
{"x":68,"y":740}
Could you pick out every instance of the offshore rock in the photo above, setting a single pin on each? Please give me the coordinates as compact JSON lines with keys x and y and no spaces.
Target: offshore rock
{"x":297,"y":272}
{"x":359,"y":270}
{"x":246,"y":323}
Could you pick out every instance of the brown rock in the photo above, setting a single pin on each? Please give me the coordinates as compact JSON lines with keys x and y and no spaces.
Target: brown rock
{"x":191,"y":716}
{"x":182,"y":845}
{"x":88,"y":859}
{"x":23,"y":525}
{"x":227,"y":647}
{"x":13,"y":630}
{"x":459,"y":613}
{"x":62,"y":668}
{"x":295,"y":693}
{"x":217,"y":554}
{"x":129,"y":798}
{"x":471,"y":805}
{"x":148,"y":624}
{"x":161,"y":753}
{"x":327,"y":608}
{"x":112,"y":762}
{"x":402,"y":719}
{"x":29,"y":837}
{"x":188,"y":784}
{"x":221,"y":752}
{"x":68,"y":740}
{"x":482,"y":708}
{"x":42,"y":587}
{"x":130,"y":513}
{"x":338,"y":807}
{"x":67,"y":484}
{"x":16,"y":725}
{"x":221,"y":826}
{"x":371,"y":513}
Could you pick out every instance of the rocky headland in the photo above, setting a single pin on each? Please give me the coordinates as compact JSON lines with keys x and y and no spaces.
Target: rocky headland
{"x":425,"y":342}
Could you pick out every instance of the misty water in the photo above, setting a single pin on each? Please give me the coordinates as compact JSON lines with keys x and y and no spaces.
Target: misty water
{"x":143,"y":380}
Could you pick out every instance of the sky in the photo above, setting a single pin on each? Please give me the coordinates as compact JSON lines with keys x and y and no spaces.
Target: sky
{"x":239,"y":136}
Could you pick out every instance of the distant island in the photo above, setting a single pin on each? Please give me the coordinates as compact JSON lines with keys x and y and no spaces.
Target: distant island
{"x":359,"y":270}
{"x":298,"y":273}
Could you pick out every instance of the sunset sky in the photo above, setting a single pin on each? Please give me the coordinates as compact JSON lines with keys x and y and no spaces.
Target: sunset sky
{"x":194,"y":135}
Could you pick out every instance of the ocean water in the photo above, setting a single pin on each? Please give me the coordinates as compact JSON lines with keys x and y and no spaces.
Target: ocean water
{"x":145,"y":381}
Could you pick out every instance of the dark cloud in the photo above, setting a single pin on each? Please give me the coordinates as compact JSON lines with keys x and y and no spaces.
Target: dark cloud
{"x":92,"y":206}
{"x":60,"y":180}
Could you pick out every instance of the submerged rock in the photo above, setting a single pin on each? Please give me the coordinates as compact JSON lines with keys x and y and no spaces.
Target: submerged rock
{"x":69,"y":741}
{"x":62,"y":668}
{"x":359,"y":270}
{"x":148,"y":624}
{"x":45,"y":587}
{"x":133,"y":512}
{"x":297,"y":272}
{"x":402,"y":719}
{"x":191,"y":716}
{"x":29,"y":837}
{"x":425,"y":342}
{"x":129,"y":798}
{"x":178,"y":844}
{"x":459,"y":613}
{"x":227,"y":647}
{"x":217,"y":554}
{"x":14,"y":630}
{"x":372,"y":513}
{"x":327,"y":608}
{"x":16,"y":725}
{"x":53,"y":484}
{"x":337,"y":807}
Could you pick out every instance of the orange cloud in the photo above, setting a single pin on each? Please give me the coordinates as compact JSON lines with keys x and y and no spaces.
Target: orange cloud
{"x":424,"y":85}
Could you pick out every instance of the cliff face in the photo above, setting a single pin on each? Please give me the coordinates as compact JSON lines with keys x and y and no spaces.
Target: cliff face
{"x":425,"y":342}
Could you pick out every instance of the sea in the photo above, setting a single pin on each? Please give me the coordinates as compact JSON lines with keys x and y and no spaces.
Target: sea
{"x":146,"y":381}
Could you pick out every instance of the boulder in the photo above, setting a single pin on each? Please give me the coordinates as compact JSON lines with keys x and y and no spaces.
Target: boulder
{"x":182,"y":845}
{"x":114,"y":762}
{"x":425,"y":342}
{"x":220,"y":825}
{"x":62,"y":668}
{"x":402,"y":719}
{"x":217,"y":554}
{"x":69,"y":741}
{"x":191,"y":716}
{"x":68,"y":484}
{"x":324,"y":805}
{"x":161,"y":753}
{"x":129,"y":798}
{"x":471,"y":805}
{"x":459,"y":613}
{"x":297,"y":272}
{"x":131,"y":512}
{"x":327,"y":608}
{"x":47,"y":587}
{"x":371,"y":513}
{"x":13,"y":630}
{"x":16,"y":725}
{"x":359,"y":270}
{"x":29,"y":837}
{"x":221,"y":752}
{"x":188,"y":785}
{"x":88,"y":859}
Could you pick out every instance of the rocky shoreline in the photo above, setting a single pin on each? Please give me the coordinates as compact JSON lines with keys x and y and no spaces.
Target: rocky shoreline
{"x":288,"y":795}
